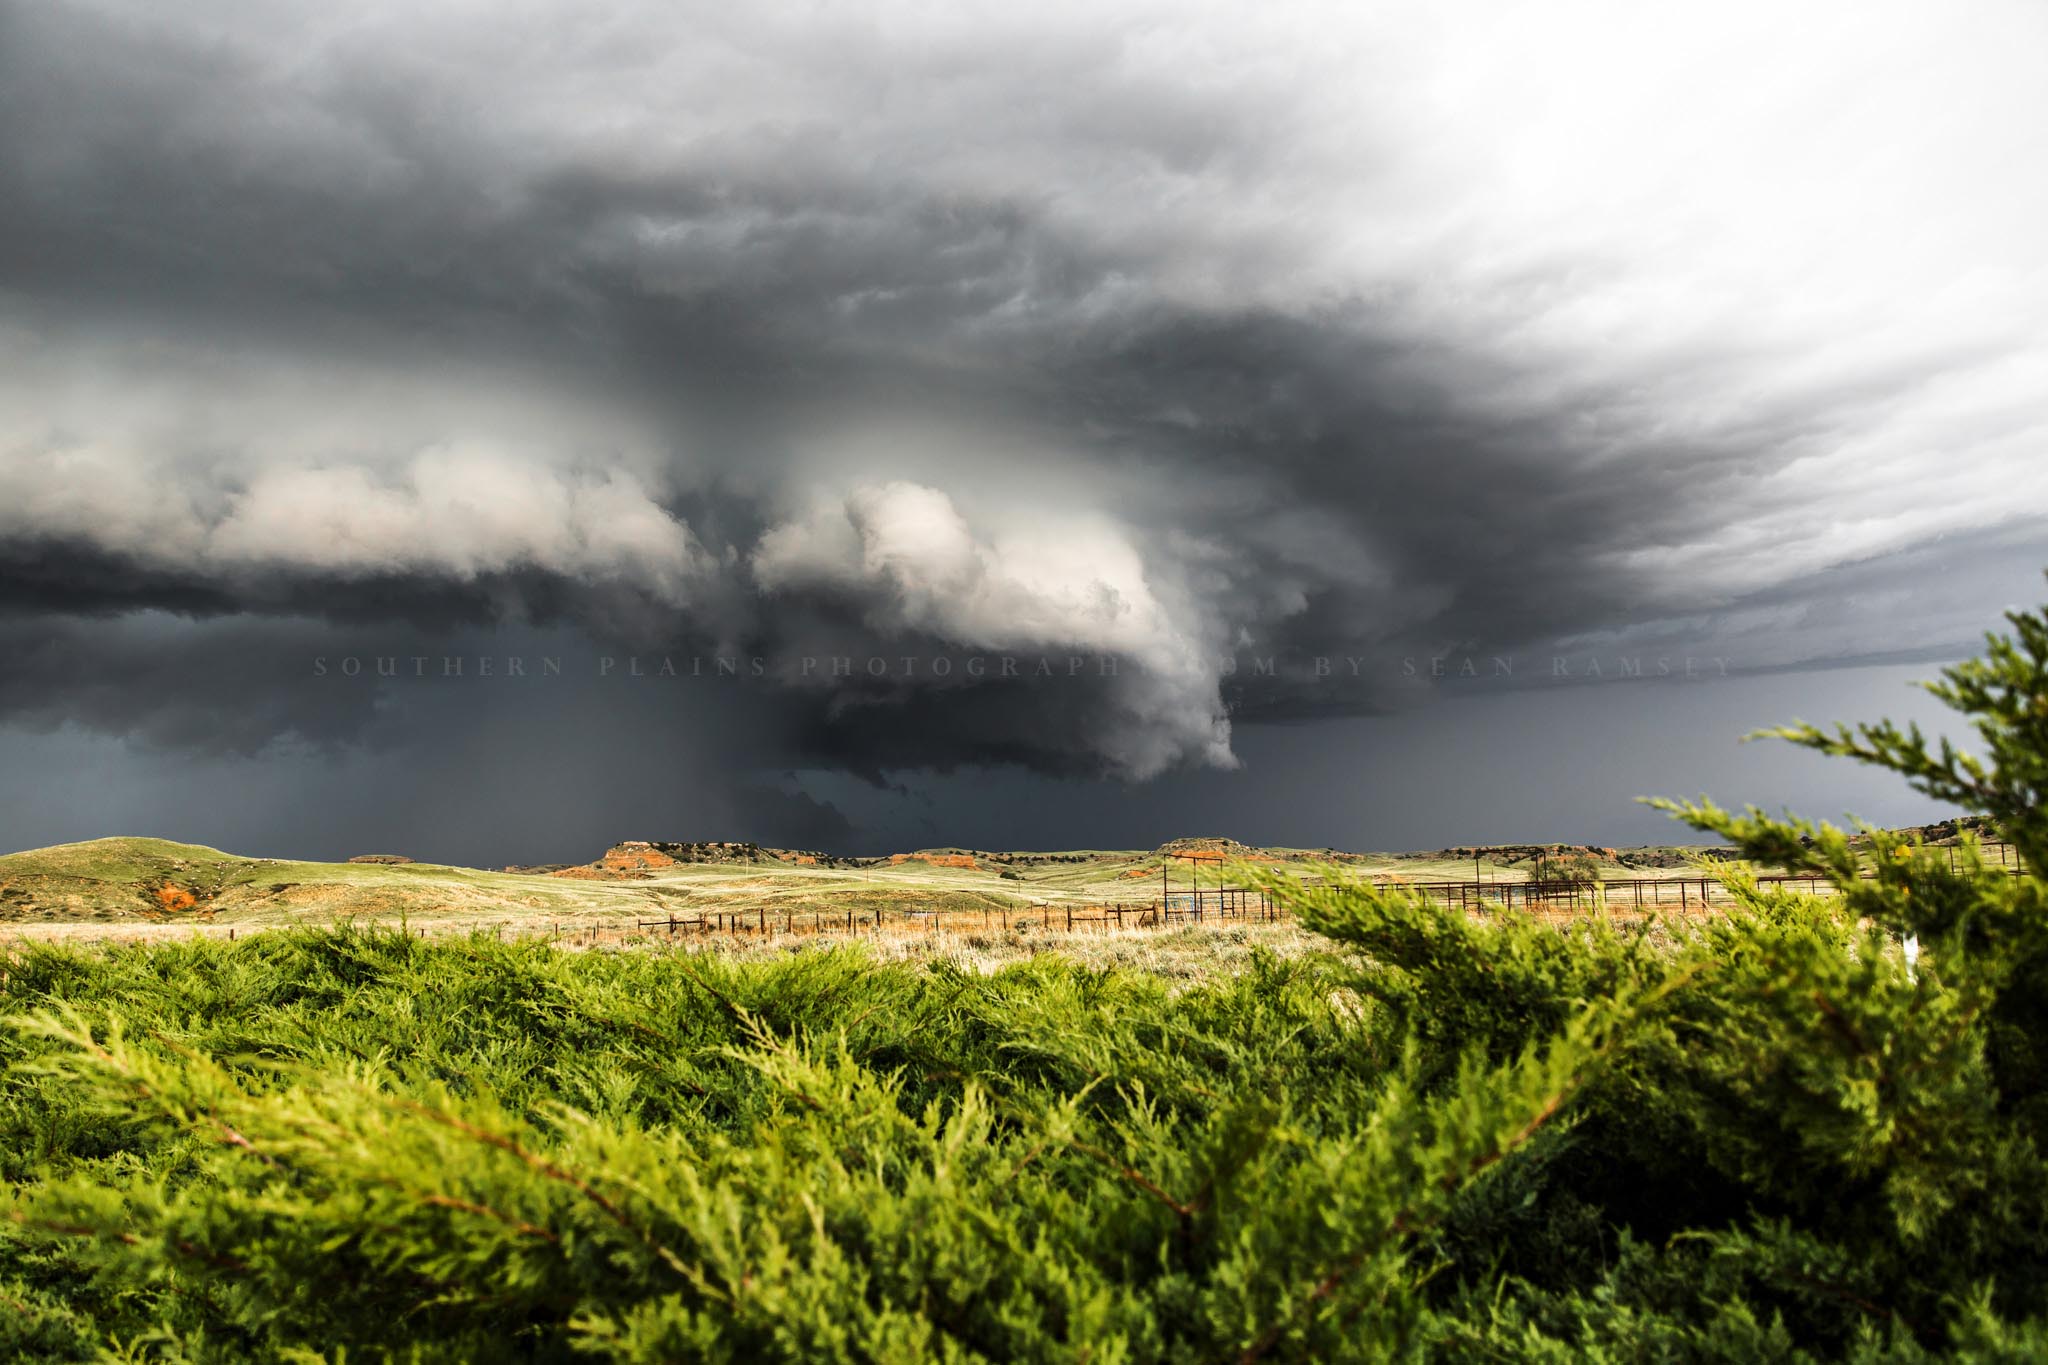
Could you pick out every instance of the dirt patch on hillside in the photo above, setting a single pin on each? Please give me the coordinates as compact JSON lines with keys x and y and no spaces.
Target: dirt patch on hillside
{"x":164,"y":897}
{"x":170,"y":896}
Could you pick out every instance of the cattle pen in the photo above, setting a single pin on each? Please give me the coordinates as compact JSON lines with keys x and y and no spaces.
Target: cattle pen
{"x":1218,"y":904}
{"x":1548,"y":897}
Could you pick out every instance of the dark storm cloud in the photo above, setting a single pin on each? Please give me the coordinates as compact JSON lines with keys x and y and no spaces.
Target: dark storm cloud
{"x":795,"y":816}
{"x":1162,"y":337}
{"x":233,"y":686}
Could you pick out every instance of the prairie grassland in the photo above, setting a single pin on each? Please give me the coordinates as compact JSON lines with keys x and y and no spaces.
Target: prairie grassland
{"x":149,"y":889}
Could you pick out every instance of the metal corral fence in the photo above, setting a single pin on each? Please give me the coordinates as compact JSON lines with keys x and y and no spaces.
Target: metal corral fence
{"x":1211,"y":903}
{"x":1239,"y":904}
{"x":1641,"y":893}
{"x":1633,"y":893}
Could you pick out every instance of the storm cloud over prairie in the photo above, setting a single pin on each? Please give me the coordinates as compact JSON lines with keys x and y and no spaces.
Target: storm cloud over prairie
{"x":1155,"y":336}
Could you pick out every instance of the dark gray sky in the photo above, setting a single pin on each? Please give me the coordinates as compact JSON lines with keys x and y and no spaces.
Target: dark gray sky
{"x":1154,"y":338}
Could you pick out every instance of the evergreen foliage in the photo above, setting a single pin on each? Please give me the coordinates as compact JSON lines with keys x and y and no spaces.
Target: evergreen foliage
{"x":1776,"y":1135}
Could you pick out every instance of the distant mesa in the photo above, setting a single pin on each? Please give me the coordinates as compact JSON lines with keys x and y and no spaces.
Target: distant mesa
{"x":1213,"y":850}
{"x":1204,"y":850}
{"x":637,"y":858}
{"x":392,"y":858}
{"x":634,"y":856}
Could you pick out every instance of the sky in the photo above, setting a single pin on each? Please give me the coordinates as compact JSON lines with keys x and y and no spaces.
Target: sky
{"x":484,"y":432}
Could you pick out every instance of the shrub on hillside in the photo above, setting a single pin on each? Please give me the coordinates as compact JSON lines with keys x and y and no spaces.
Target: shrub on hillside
{"x":1579,"y":869}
